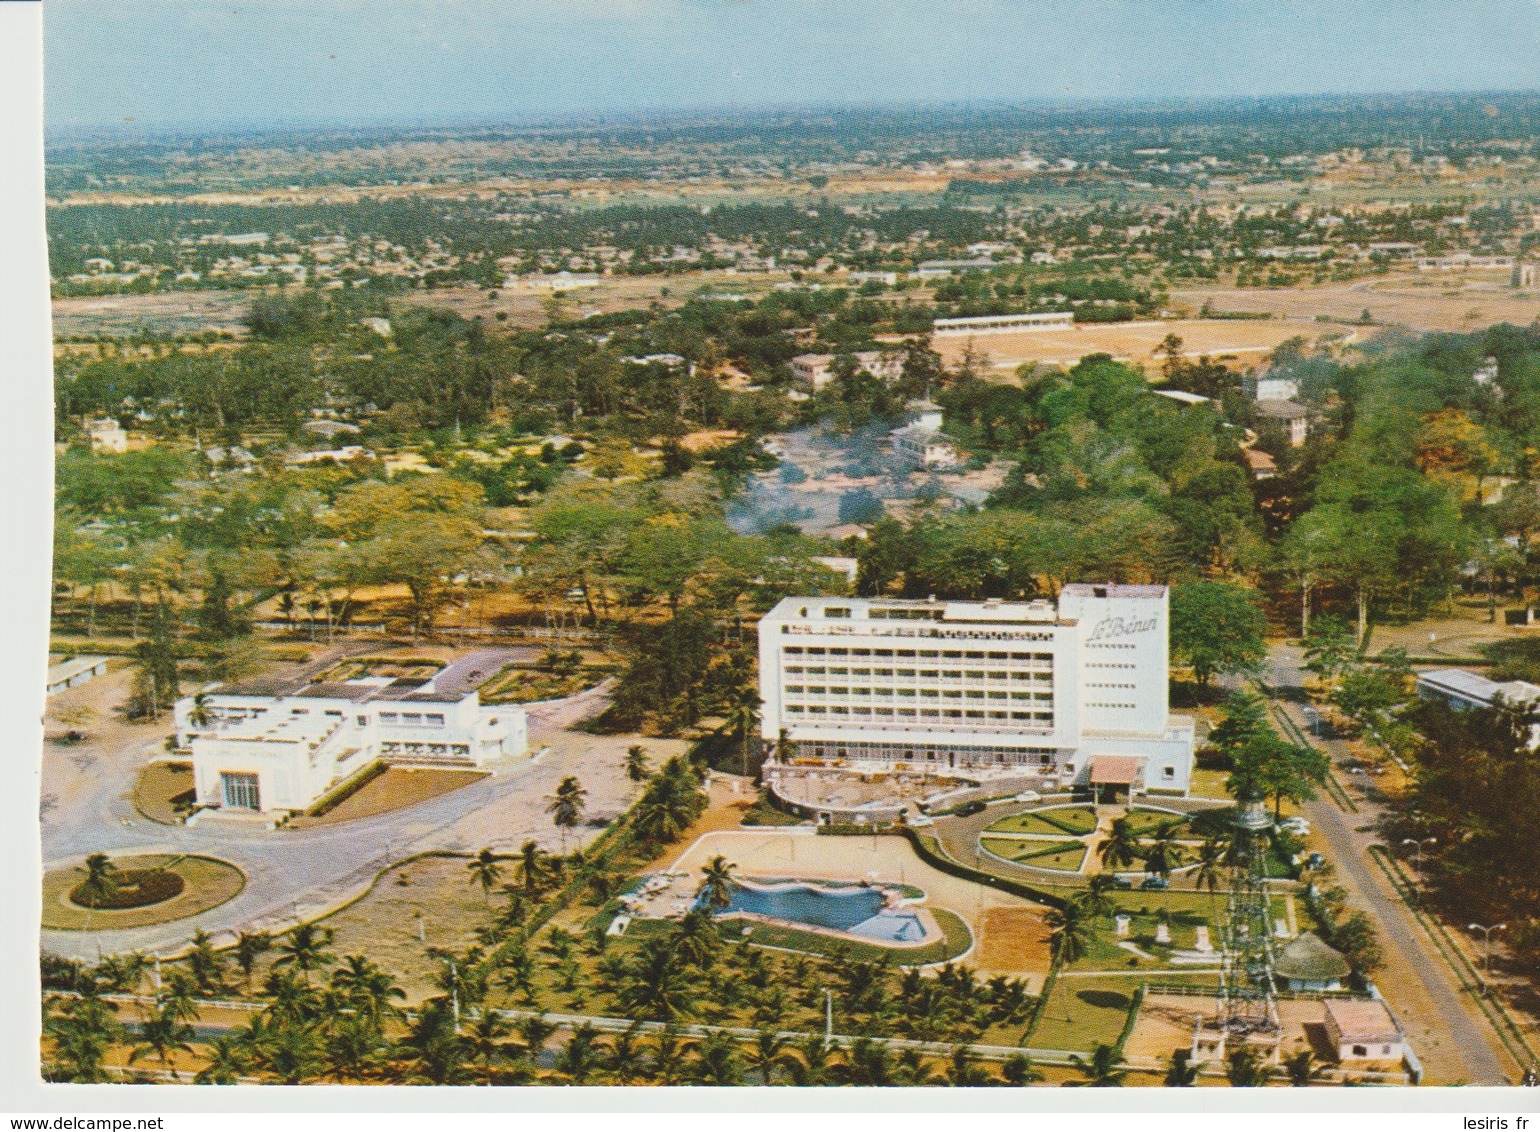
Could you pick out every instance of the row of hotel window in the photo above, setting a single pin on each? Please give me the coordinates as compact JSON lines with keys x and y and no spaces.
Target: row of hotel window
{"x":899,"y":753}
{"x":825,"y":629}
{"x":924,"y":654}
{"x":911,"y":693}
{"x":425,"y":749}
{"x":1044,"y":719}
{"x":920,"y":673}
{"x":389,"y":718}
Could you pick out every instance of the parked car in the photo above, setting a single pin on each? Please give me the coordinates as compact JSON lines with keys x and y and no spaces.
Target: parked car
{"x":1296,"y":825}
{"x":1155,"y":882}
{"x":1315,"y":861}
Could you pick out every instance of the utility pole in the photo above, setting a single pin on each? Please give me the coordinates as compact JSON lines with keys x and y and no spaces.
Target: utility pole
{"x":1486,"y":931}
{"x":828,"y":1018}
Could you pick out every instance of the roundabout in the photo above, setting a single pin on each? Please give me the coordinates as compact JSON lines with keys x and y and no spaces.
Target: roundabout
{"x":136,"y":891}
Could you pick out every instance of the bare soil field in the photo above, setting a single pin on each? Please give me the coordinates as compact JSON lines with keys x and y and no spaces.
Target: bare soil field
{"x":1244,"y":340}
{"x":1012,"y":940}
{"x":1425,"y":301}
{"x":160,"y":786}
{"x":170,"y":312}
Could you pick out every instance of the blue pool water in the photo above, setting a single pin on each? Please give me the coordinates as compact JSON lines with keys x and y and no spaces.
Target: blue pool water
{"x":856,"y":910}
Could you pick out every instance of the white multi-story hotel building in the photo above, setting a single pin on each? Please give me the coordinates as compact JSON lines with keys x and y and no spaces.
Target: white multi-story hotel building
{"x":1074,"y":693}
{"x":265,"y":746}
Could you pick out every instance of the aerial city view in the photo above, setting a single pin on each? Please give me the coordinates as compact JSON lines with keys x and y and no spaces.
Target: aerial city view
{"x":1020,"y":595}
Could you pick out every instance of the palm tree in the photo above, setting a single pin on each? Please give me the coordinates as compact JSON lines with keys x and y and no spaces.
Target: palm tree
{"x":697,"y":939}
{"x":162,"y":1033}
{"x":813,"y":1064}
{"x":249,"y":946}
{"x":533,"y":870}
{"x":1018,"y":1070}
{"x":1164,"y":852}
{"x":306,"y":949}
{"x":623,"y":1060}
{"x":354,"y":1047}
{"x":200,"y":716}
{"x":367,"y":989}
{"x":438,"y":1053}
{"x":1069,"y":933}
{"x":485,"y":1037}
{"x":1103,"y":1069}
{"x":1213,"y":857}
{"x":206,"y":964}
{"x":717,"y":884}
{"x":657,"y":985}
{"x":1181,"y":1071}
{"x":636,"y":763}
{"x":535,"y":1031}
{"x":225,"y":1061}
{"x":486,"y":872}
{"x":1097,"y":898}
{"x":566,"y":807}
{"x":101,"y":882}
{"x":1120,"y":849}
{"x":716,"y":1061}
{"x":82,"y":1030}
{"x":1244,"y":1069}
{"x":768,"y":1055}
{"x":179,"y":995}
{"x":581,"y":1057}
{"x":963,"y":1070}
{"x":741,"y":715}
{"x":1299,"y":1068}
{"x":292,"y":1052}
{"x":867,"y":1063}
{"x":518,"y":973}
{"x":667,"y":1058}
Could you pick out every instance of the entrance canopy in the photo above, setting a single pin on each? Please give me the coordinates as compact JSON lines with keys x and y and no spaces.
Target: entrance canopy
{"x":1115,"y":770}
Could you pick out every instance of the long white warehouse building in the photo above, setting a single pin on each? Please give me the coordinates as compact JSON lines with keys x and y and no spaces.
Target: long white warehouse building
{"x":1076,"y":693}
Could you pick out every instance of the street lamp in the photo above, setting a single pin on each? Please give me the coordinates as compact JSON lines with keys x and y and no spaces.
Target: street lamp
{"x":1419,"y":842}
{"x":1486,"y":931}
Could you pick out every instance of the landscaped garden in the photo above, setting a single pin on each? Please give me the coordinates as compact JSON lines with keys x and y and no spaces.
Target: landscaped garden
{"x":1066,"y":856}
{"x":131,"y":892}
{"x":1077,"y":821}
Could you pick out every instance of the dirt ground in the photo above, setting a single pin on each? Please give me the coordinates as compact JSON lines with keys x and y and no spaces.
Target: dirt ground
{"x":1011,"y":939}
{"x":398,"y":787}
{"x":1246,"y":340}
{"x":1460,"y":301}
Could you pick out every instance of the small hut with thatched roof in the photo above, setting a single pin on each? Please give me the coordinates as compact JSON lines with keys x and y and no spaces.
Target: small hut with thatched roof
{"x":1307,"y":963}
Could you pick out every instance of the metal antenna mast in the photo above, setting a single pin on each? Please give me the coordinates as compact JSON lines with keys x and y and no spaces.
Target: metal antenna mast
{"x":1248,"y":994}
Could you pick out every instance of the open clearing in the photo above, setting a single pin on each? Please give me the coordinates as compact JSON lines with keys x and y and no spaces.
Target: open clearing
{"x":1247,"y":339}
{"x":1424,"y":301}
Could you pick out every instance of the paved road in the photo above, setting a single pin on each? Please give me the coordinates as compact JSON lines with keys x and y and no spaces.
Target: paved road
{"x":1448,"y":1031}
{"x":294,"y":874}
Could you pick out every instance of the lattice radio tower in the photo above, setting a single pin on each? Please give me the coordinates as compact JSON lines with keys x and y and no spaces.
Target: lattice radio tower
{"x":1248,"y":993}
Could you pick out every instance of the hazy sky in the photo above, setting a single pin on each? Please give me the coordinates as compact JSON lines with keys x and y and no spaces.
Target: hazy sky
{"x":252,"y":62}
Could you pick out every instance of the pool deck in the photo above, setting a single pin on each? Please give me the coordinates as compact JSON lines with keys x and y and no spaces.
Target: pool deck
{"x":878,"y":859}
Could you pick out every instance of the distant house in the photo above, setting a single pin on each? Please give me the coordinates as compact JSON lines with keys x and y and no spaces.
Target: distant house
{"x":1463,"y":690}
{"x":840,"y":564}
{"x":1270,"y":387}
{"x":1294,"y":417}
{"x":1307,"y":963}
{"x":328,"y":456}
{"x":846,"y":530}
{"x":944,"y":268}
{"x":814,"y":371}
{"x":1364,"y":1030}
{"x":923,"y":442}
{"x":1004,"y":323}
{"x":106,"y":435}
{"x":1263,"y":466}
{"x":380,"y":326}
{"x":1182,"y":396}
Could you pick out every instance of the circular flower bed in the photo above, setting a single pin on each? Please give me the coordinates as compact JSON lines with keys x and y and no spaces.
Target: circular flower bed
{"x":135,"y":888}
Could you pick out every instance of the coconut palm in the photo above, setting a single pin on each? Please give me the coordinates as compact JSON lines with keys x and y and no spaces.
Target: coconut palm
{"x":813,"y":1064}
{"x":1069,"y":932}
{"x":963,"y":1070}
{"x":1300,"y":1068}
{"x":306,"y":949}
{"x":636,"y":763}
{"x":438,"y":1054}
{"x":768,"y":1055}
{"x":566,"y":807}
{"x":354,"y":1047}
{"x":290,"y":999}
{"x":225,"y":1061}
{"x":1244,"y":1069}
{"x":717,"y":884}
{"x":1103,"y":1069}
{"x":101,"y":882}
{"x":206,"y":964}
{"x":367,"y":989}
{"x":716,"y":1061}
{"x":657,"y":984}
{"x":1120,"y":848}
{"x":666,"y":1058}
{"x":249,"y":946}
{"x":179,"y":995}
{"x":1212,"y":860}
{"x":867,"y":1063}
{"x":161,"y":1033}
{"x":1018,"y":1070}
{"x":485,"y":1038}
{"x":623,"y":1058}
{"x":486,"y":872}
{"x":1164,"y":852}
{"x":517,"y":973}
{"x":82,"y":1030}
{"x":697,"y":940}
{"x":535,"y":1031}
{"x":582,"y":1056}
{"x":533,"y":870}
{"x":1097,"y":898}
{"x":741,"y":715}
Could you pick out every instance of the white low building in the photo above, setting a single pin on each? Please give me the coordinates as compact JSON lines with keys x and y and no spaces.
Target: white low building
{"x":814,"y":371}
{"x":1075,"y":693}
{"x":267,"y":747}
{"x":1004,"y":323}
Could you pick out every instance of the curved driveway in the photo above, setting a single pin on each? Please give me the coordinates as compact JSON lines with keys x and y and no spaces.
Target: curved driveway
{"x":299,"y":874}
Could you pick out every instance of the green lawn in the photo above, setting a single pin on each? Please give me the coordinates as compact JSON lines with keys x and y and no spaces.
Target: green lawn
{"x":1082,"y":1012}
{"x":1146,"y":824}
{"x":1075,"y":820}
{"x":1067,"y":859}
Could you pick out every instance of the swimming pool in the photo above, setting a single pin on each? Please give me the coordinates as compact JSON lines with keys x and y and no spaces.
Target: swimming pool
{"x":857,"y":910}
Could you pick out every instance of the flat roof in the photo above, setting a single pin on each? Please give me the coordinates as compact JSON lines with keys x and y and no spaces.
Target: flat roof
{"x":1111,"y":589}
{"x":1363,"y":1020}
{"x":1473,"y":685}
{"x":1114,"y":770}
